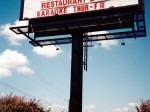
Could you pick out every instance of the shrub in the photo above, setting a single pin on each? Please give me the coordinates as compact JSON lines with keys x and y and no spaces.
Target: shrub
{"x":144,"y":106}
{"x":12,"y":103}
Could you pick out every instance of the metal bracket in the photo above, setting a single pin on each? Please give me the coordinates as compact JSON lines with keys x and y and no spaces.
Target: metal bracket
{"x":29,"y":37}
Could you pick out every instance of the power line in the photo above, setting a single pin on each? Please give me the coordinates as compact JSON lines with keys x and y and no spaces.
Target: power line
{"x":52,"y":84}
{"x":20,"y":91}
{"x":44,"y":81}
{"x":15,"y":89}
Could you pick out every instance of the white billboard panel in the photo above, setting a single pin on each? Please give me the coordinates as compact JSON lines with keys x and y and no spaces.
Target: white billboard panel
{"x":44,"y":8}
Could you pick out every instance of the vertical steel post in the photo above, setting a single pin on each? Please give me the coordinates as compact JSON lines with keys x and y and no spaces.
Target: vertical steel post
{"x":75,"y":103}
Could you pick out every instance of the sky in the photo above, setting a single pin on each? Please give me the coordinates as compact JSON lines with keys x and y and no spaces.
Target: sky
{"x":117,"y":78}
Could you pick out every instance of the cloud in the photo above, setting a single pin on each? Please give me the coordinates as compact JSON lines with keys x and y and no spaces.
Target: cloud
{"x":124,"y":109}
{"x":56,"y":107}
{"x":89,"y":108}
{"x":4,"y":72}
{"x":24,"y":70}
{"x":130,"y":107}
{"x":13,"y":60}
{"x":13,"y":38}
{"x":2,"y":94}
{"x":48,"y":51}
{"x":107,"y":44}
{"x":133,"y":104}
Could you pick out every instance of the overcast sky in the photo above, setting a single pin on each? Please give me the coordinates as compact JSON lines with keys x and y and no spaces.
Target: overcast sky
{"x":117,"y":78}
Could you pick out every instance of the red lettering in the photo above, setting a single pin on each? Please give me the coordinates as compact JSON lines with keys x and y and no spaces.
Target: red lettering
{"x":81,"y":8}
{"x":74,"y":2}
{"x":43,"y":5}
{"x":38,"y":14}
{"x":102,"y":5}
{"x":47,"y":12}
{"x":52,"y":4}
{"x":60,"y":10}
{"x":52,"y":12}
{"x":56,"y":11}
{"x":69,"y":2}
{"x":95,"y":5}
{"x":60,"y":3}
{"x":43,"y":13}
{"x":56,"y":3}
{"x":48,"y":4}
{"x":86,"y":8}
{"x":65,"y":10}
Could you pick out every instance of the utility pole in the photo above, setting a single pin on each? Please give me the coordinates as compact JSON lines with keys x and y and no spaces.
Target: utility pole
{"x":75,"y":103}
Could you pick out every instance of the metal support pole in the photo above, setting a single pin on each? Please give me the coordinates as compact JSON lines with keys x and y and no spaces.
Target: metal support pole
{"x":75,"y":103}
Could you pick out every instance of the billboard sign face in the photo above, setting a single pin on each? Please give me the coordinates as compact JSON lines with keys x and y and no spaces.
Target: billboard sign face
{"x":43,"y":8}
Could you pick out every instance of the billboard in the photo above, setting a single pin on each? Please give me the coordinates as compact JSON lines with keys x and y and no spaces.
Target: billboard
{"x":31,"y":9}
